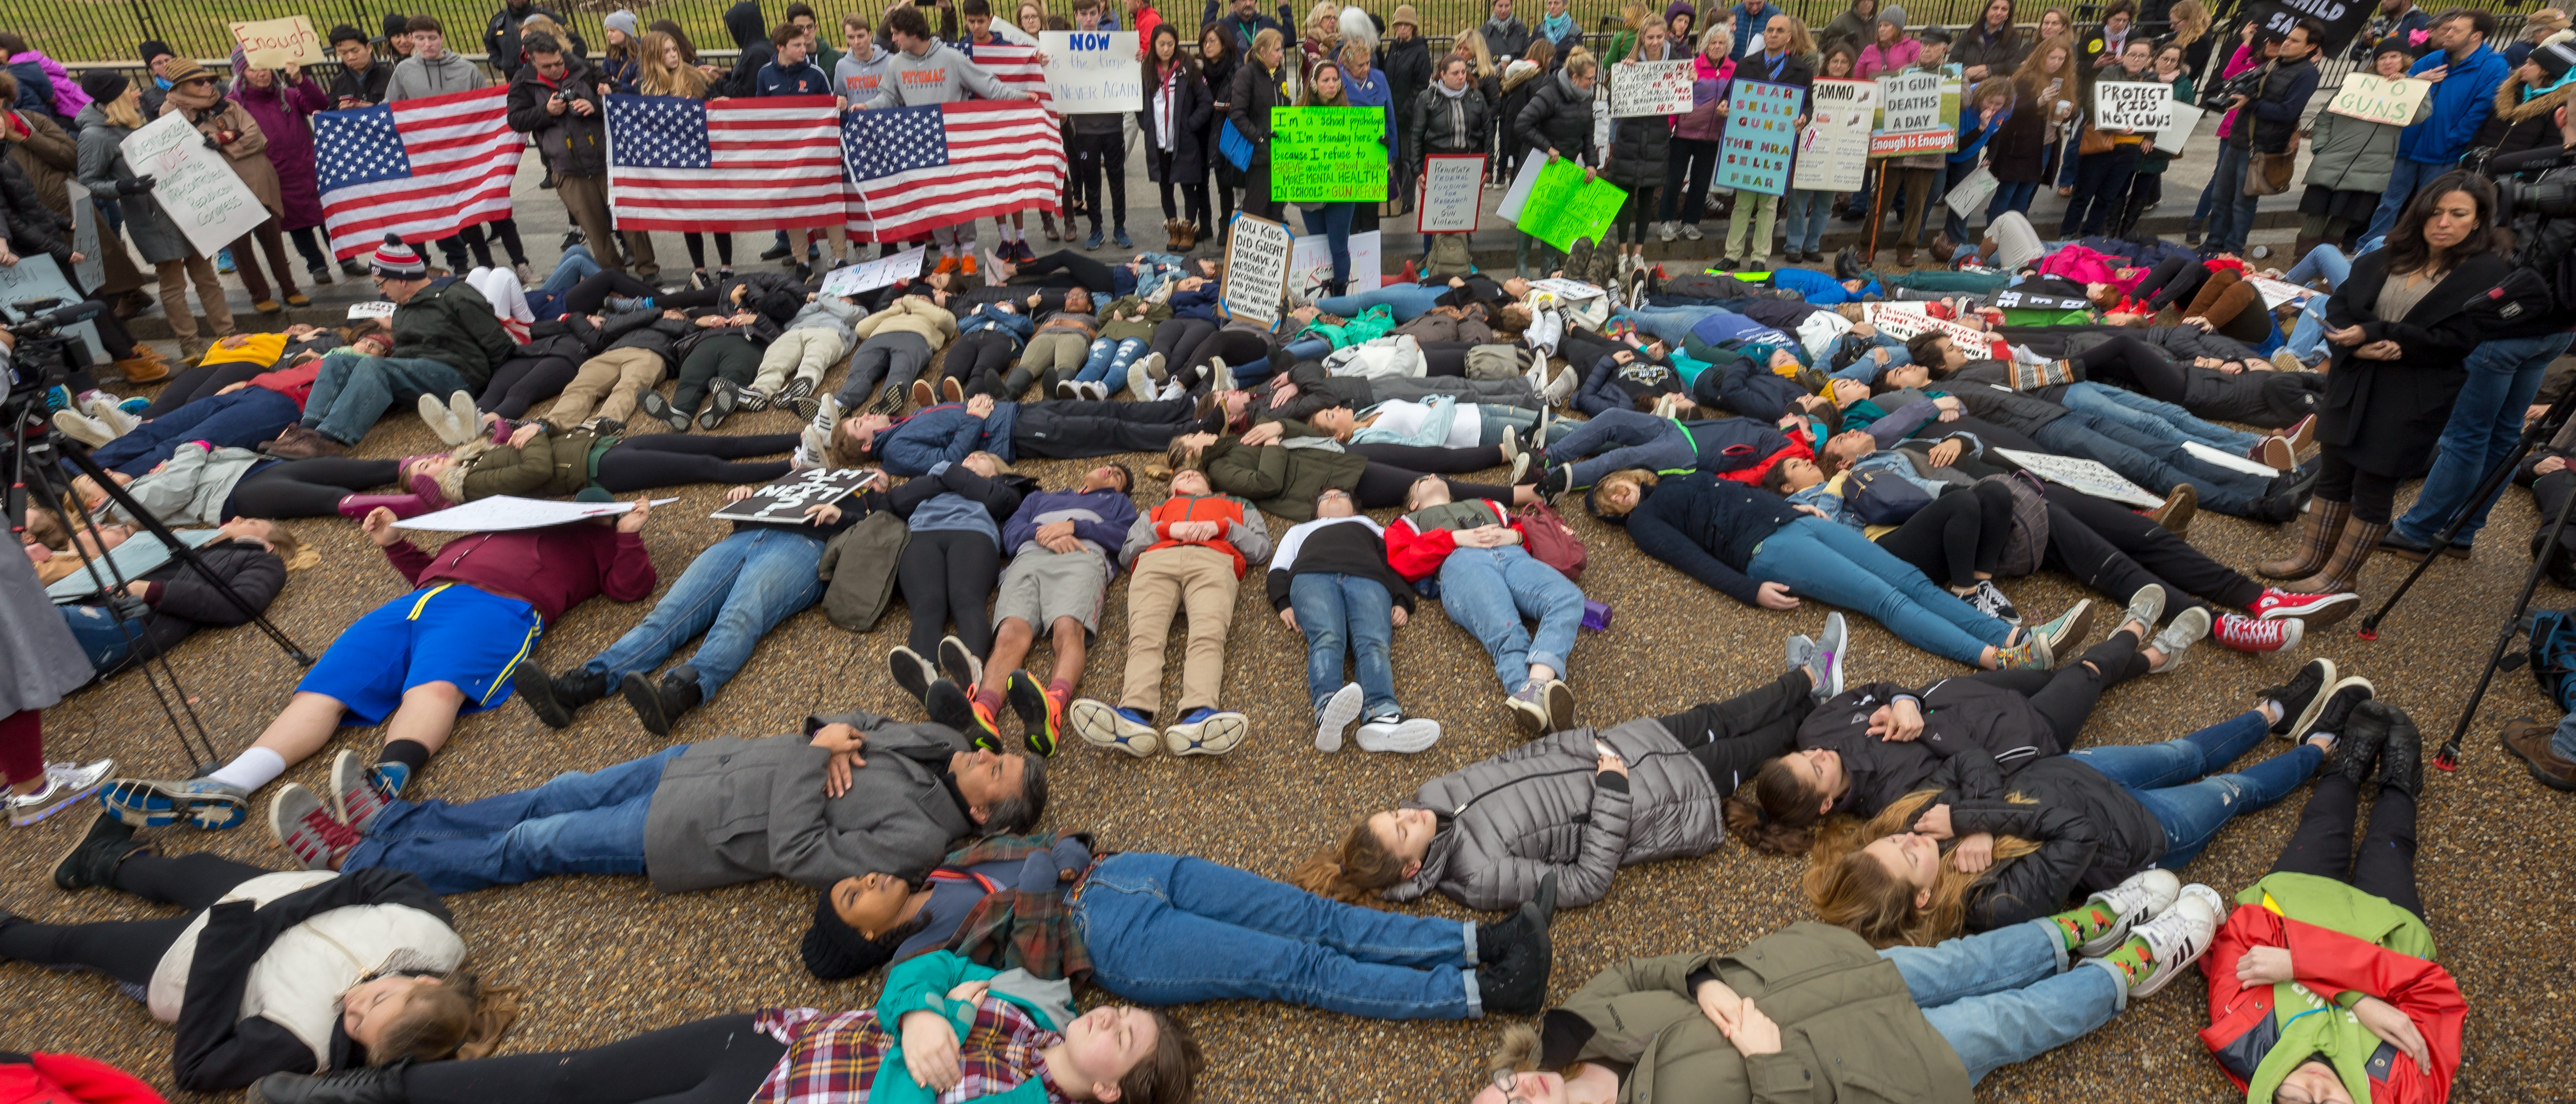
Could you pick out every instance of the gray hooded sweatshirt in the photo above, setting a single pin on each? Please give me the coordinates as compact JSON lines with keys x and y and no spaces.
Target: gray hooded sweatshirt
{"x":829,"y":312}
{"x":941,"y":76}
{"x":419,"y":78}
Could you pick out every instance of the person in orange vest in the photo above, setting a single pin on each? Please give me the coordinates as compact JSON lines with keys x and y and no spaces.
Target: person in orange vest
{"x":1188,"y":554}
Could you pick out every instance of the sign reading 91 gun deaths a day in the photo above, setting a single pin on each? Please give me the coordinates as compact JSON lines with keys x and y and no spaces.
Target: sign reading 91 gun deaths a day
{"x":1090,"y":72}
{"x":1918,"y":113}
{"x":1833,"y":152}
{"x":1650,"y":88}
{"x":1761,"y":137}
{"x":1256,"y":268}
{"x":2137,"y":106}
{"x":1328,"y":154}
{"x":193,"y":184}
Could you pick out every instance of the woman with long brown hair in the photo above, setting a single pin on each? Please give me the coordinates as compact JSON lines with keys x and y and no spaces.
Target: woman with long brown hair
{"x":2024,"y":153}
{"x":1177,"y":110}
{"x":663,"y":68}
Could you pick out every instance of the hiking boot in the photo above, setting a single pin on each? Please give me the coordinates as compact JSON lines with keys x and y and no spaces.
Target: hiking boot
{"x":358,"y":791}
{"x":910,"y":671}
{"x":2144,"y":896}
{"x":2318,"y":610}
{"x":2527,"y":739}
{"x":1529,"y":708}
{"x":656,"y":407}
{"x":2181,"y":505}
{"x":959,"y":665}
{"x":2175,"y":939}
{"x":2357,"y":749}
{"x":2240,"y":633}
{"x":657,"y":704}
{"x":2336,"y":712}
{"x":1206,"y":731}
{"x":1041,"y":712}
{"x":554,"y":699}
{"x":92,"y":862}
{"x":2300,"y":697}
{"x":1336,"y":713}
{"x":1985,"y":599}
{"x":197,"y":802}
{"x":363,"y":1085}
{"x":1103,"y":725}
{"x":2178,"y":636}
{"x":307,"y":830}
{"x":1395,"y":733}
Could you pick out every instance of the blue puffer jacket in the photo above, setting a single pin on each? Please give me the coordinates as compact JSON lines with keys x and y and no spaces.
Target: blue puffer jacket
{"x":945,"y":434}
{"x":2461,"y":104}
{"x":991,"y":316}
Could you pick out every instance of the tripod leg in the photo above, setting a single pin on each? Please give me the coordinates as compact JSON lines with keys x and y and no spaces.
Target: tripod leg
{"x":2489,"y":489}
{"x":2449,"y":758}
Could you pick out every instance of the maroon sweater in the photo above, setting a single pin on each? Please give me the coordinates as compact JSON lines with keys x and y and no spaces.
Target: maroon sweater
{"x":553,"y":569}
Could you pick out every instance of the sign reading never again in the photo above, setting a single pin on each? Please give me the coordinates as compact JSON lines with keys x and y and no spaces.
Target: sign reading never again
{"x":1091,"y":72}
{"x":1328,"y":154}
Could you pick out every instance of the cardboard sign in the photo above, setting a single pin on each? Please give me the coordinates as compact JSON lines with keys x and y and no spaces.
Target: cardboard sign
{"x":1918,"y":113}
{"x":2186,"y":118}
{"x":1328,"y":154}
{"x":1453,"y":193}
{"x":1563,"y":206}
{"x":1650,"y":88}
{"x":2088,"y":476}
{"x":278,"y":43}
{"x":2380,"y":100}
{"x":2277,"y":292}
{"x":502,"y":513}
{"x":1093,"y":72}
{"x":2132,"y":105}
{"x":785,"y":500}
{"x":1257,"y":251}
{"x":373,"y":308}
{"x":871,"y":275}
{"x":1833,"y":152}
{"x":37,"y":277}
{"x":194,"y":185}
{"x":1761,"y":137}
{"x":1310,"y":264}
{"x":1516,"y":195}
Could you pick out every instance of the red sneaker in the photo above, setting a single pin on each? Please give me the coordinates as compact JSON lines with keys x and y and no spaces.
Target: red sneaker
{"x":2253,"y":634}
{"x":2318,"y":610}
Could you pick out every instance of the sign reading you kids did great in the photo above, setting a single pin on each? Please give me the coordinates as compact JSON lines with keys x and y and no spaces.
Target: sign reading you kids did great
{"x":1328,"y":154}
{"x":1761,"y":137}
{"x":1091,"y":72}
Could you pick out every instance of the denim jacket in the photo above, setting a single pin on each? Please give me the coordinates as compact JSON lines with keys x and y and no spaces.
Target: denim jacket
{"x":1824,"y":497}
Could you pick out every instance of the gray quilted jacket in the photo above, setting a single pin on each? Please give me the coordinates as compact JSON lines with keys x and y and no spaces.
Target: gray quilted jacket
{"x":1532,"y":811}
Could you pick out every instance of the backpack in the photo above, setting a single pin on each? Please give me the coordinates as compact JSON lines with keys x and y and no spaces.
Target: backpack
{"x":1449,"y":256}
{"x":1883,"y":498}
{"x":2553,"y":654}
{"x":1550,"y":541}
{"x":2027,"y":544}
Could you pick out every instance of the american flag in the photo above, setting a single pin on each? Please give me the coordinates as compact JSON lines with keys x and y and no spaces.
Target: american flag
{"x":915,"y":169}
{"x":675,"y":163}
{"x":1014,"y":65}
{"x":422,"y":169}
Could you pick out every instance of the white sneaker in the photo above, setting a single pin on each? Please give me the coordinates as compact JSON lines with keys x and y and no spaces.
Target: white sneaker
{"x":1337,"y":714}
{"x":65,"y":785}
{"x":441,"y":421}
{"x":2146,"y":895}
{"x":1140,"y":376}
{"x":2188,"y":626}
{"x":114,"y":417}
{"x":1399,"y":735}
{"x":1668,"y":231}
{"x":83,"y":428}
{"x":1101,"y":725}
{"x":1209,"y":732}
{"x":1691,"y":230}
{"x":469,"y":420}
{"x":2176,"y":938}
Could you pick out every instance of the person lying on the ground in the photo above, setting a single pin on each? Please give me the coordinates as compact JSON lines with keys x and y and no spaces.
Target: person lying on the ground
{"x":847,"y":794}
{"x":1628,"y":379}
{"x":538,"y":460}
{"x":1890,"y":740}
{"x":1259,"y":465}
{"x":591,"y":365}
{"x":719,"y":359}
{"x":1166,"y":929}
{"x":415,"y":663}
{"x":1330,"y":581}
{"x":1185,"y":556}
{"x":943,"y":1028}
{"x":1580,"y":803}
{"x":235,"y":404}
{"x":1735,"y":449}
{"x":2345,"y":925}
{"x":2090,"y":821}
{"x":895,"y":345}
{"x":1071,"y":429}
{"x":1954,"y":535}
{"x":445,"y":340}
{"x":2211,"y":375}
{"x":1343,"y":429}
{"x":294,"y":972}
{"x":1298,"y":393}
{"x":163,"y":606}
{"x":197,"y":486}
{"x":951,"y":561}
{"x":1491,"y":586}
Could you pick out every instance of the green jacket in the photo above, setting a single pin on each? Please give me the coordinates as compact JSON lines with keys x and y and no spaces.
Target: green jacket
{"x":1115,"y":326}
{"x":451,"y":323}
{"x":557,"y":462}
{"x":921,"y":985}
{"x":1848,"y":1028}
{"x":1279,"y":479}
{"x":1370,"y":325}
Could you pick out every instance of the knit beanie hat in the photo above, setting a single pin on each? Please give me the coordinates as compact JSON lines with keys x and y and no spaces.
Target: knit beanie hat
{"x":155,"y":48}
{"x":183,"y":70}
{"x":396,"y":261}
{"x":623,"y":21}
{"x":1893,"y":13}
{"x":2554,"y":61}
{"x":103,"y":85}
{"x":397,"y":25}
{"x":833,"y":950}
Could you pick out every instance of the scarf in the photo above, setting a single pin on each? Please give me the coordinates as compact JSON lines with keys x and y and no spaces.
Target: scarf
{"x":1462,"y":89}
{"x":1163,"y":97}
{"x":196,"y":102}
{"x":1556,"y":27}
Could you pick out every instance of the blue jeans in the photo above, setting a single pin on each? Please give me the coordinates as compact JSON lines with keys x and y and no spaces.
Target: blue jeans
{"x":1164,"y":930}
{"x":1406,"y":301}
{"x":1488,"y":591}
{"x":102,"y":642}
{"x":735,"y":591}
{"x":351,"y":391}
{"x":1866,"y":367}
{"x":2485,"y":422}
{"x":2151,"y":463}
{"x":1336,"y":609}
{"x":1808,"y":210}
{"x":2234,"y":212}
{"x":573,"y":267}
{"x":2308,"y":334}
{"x":1819,"y":558}
{"x":575,"y":823}
{"x":2175,"y":779}
{"x":2155,"y":417}
{"x":238,"y":420}
{"x":2005,"y":996}
{"x":1617,"y":439}
{"x":2011,"y":196}
{"x":1109,"y":358}
{"x":2563,"y":742}
{"x":2404,"y":177}
{"x":1333,"y":221}
{"x":2325,"y":260}
{"x":1670,"y":324}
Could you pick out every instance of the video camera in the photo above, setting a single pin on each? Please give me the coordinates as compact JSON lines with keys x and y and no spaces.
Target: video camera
{"x":2248,"y":84}
{"x":2523,"y":189}
{"x":44,"y":354}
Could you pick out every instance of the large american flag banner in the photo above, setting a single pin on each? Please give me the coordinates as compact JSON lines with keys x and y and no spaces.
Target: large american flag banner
{"x":422,"y":169}
{"x":915,"y":169}
{"x":1014,"y":65}
{"x":675,"y":163}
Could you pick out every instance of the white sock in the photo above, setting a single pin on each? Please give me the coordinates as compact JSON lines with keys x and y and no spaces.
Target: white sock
{"x":948,"y":252}
{"x":251,"y":769}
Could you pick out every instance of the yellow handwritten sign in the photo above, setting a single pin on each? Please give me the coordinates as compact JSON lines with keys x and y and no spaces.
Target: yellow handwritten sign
{"x":278,"y":43}
{"x":2380,"y":100}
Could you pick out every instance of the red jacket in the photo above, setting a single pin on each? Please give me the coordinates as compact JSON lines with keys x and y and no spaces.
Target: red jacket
{"x":1225,"y":511}
{"x":553,"y":569}
{"x":2242,"y":1027}
{"x":1418,"y":555}
{"x":295,"y":383}
{"x":69,"y":1079}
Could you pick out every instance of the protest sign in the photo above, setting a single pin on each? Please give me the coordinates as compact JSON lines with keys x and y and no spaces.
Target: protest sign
{"x":1310,"y":264}
{"x":1833,"y":153}
{"x":871,"y":275}
{"x":1256,"y":268}
{"x":278,"y":43}
{"x":2342,"y":20}
{"x":1453,"y":191}
{"x":194,"y":185}
{"x":1918,"y":113}
{"x":503,"y":513}
{"x":1564,"y":206}
{"x":132,"y":559}
{"x":2380,"y":100}
{"x":2132,"y":105}
{"x":373,"y":308}
{"x":1905,"y":321}
{"x":1650,"y":88}
{"x":91,"y":269}
{"x":2010,"y":299}
{"x":2276,"y":292}
{"x":1761,"y":137}
{"x":1969,"y":196}
{"x":2185,"y":119}
{"x":1518,"y":194}
{"x":785,"y":500}
{"x":2088,"y":476}
{"x":1328,"y":154}
{"x":1092,"y":72}
{"x":36,"y":278}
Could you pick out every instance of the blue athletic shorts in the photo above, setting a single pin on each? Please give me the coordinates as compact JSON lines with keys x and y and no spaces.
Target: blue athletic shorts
{"x":445,"y":633}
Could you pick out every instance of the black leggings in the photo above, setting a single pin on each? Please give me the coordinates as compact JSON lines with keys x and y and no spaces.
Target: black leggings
{"x":1184,"y":342}
{"x":676,"y":459}
{"x":697,"y":244}
{"x":1637,"y":216}
{"x":129,"y":950}
{"x":2173,"y":281}
{"x":200,"y":382}
{"x":2065,"y":696}
{"x":949,"y":574}
{"x":2373,"y":497}
{"x":1382,"y":487}
{"x":522,"y":382}
{"x":1733,"y":738}
{"x":1957,"y":536}
{"x":712,"y":1061}
{"x":1431,"y":460}
{"x":732,"y":355}
{"x":1079,"y":271}
{"x":2126,"y":361}
{"x":2322,"y":843}
{"x":587,"y":296}
{"x":978,"y":355}
{"x":306,"y":488}
{"x":2116,"y":550}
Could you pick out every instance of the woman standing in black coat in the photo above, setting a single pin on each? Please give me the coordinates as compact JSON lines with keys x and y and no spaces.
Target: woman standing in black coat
{"x":1450,"y":117}
{"x":1175,"y":122}
{"x":2400,"y":327}
{"x":1217,"y":62}
{"x":1258,"y":88}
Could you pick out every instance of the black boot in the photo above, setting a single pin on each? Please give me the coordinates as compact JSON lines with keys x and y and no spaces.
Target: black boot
{"x":2357,"y":748}
{"x":657,"y":705}
{"x":2401,"y":762}
{"x":1495,"y":941}
{"x":363,"y":1085}
{"x":1847,"y":264}
{"x":1517,"y":985}
{"x":554,"y":698}
{"x":92,"y":861}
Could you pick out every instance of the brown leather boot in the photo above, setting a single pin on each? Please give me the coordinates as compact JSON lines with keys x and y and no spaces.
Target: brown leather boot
{"x":2351,"y":550}
{"x":145,"y":366}
{"x":2529,"y":740}
{"x":2316,"y":542}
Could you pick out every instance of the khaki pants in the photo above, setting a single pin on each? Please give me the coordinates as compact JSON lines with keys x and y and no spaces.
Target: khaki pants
{"x":175,"y":278}
{"x":585,"y":198}
{"x":808,"y":352}
{"x":1056,"y":351}
{"x":607,"y":385}
{"x":1194,"y":578}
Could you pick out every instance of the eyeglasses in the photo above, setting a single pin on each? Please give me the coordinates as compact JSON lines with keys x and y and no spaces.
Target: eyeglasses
{"x":1505,"y":1081}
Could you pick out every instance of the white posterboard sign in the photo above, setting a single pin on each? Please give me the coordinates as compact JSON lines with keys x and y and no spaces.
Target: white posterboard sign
{"x":1912,"y":101}
{"x":373,"y":308}
{"x":1453,"y":193}
{"x":1310,"y":264}
{"x":194,"y":185}
{"x":871,"y":275}
{"x":2277,"y":292}
{"x":1257,"y":253}
{"x":786,"y":500}
{"x":1833,"y":152}
{"x":2186,"y":118}
{"x":36,"y":277}
{"x":143,"y":553}
{"x":2088,"y":476}
{"x":278,"y":43}
{"x":2379,"y":99}
{"x":1091,"y":72}
{"x":504,"y":513}
{"x":1906,"y":320}
{"x":1518,"y":193}
{"x":2133,"y":105}
{"x":1650,"y":88}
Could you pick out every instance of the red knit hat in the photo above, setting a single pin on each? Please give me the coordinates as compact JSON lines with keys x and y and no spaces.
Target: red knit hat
{"x":396,"y":261}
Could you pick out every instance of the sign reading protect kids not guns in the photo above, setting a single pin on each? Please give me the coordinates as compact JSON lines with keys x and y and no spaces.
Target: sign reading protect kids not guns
{"x":1761,"y":137}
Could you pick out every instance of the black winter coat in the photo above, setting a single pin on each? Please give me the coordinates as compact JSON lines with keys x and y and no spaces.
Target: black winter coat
{"x":573,"y":144}
{"x":183,"y":601}
{"x":2093,"y":834}
{"x":2020,"y":147}
{"x":501,"y":36}
{"x":31,"y":226}
{"x":1256,"y":91}
{"x":2383,"y":416}
{"x":1408,"y":70}
{"x":2520,"y":123}
{"x":1975,"y":734}
{"x":1640,"y":145}
{"x":1558,"y":118}
{"x":1438,"y":123}
{"x":1192,"y":111}
{"x":1978,"y":386}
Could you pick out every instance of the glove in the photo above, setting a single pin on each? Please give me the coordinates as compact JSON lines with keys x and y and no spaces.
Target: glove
{"x":136,"y":186}
{"x":210,"y":143}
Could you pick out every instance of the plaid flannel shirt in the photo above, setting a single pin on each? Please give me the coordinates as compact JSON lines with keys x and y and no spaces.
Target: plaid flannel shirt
{"x":832,"y":1057}
{"x":1011,"y":929}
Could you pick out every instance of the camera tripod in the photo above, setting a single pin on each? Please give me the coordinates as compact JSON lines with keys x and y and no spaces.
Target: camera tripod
{"x":2489,"y":488}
